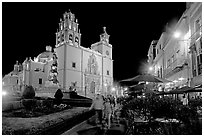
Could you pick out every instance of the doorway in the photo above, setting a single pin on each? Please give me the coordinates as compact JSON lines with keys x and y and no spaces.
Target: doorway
{"x":92,"y":87}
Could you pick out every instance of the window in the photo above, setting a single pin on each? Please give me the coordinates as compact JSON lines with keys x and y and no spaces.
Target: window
{"x":199,"y":56}
{"x":194,"y":71}
{"x":73,"y":64}
{"x":154,"y":53}
{"x":173,"y":58}
{"x":62,"y":37}
{"x":40,"y":81}
{"x":168,"y":63}
{"x":70,"y":37}
{"x":37,"y":69}
{"x":198,"y":27}
{"x":70,"y":26}
{"x":194,"y":58}
{"x":107,"y":72}
{"x":77,"y":40}
{"x":199,"y":63}
{"x":107,"y":53}
{"x":58,"y":39}
{"x":201,"y":43}
{"x":161,"y":72}
{"x":177,"y":52}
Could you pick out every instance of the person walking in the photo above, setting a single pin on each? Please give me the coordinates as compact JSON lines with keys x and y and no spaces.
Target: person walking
{"x":113,"y":104}
{"x":98,"y":106}
{"x":107,"y":112}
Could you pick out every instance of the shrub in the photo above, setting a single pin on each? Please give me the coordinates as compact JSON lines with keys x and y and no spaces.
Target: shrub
{"x":58,"y":96}
{"x":29,"y":103}
{"x":29,"y":92}
{"x":45,"y":107}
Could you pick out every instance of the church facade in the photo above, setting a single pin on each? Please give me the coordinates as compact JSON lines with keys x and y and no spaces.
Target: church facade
{"x":88,"y":70}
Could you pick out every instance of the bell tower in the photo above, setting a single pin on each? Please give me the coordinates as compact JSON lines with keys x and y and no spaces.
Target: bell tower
{"x":68,"y":39}
{"x":68,"y":31}
{"x":106,"y":46}
{"x":104,"y":37}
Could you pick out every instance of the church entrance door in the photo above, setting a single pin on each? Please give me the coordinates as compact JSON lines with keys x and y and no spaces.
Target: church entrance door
{"x":92,"y":87}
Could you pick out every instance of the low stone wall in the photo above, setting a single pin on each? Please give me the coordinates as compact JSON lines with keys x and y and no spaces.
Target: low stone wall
{"x":78,"y":102}
{"x":50,"y":94}
{"x":42,"y":125}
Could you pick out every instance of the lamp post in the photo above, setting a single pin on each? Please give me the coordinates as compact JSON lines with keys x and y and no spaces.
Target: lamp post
{"x":150,"y":68}
{"x":113,"y":89}
{"x":105,"y":88}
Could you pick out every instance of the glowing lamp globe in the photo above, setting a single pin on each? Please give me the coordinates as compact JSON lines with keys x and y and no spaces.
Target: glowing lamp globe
{"x":113,"y":89}
{"x":150,"y":68}
{"x":177,"y":34}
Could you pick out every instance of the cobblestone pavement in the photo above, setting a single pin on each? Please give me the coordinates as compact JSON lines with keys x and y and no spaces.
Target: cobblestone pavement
{"x":89,"y":127}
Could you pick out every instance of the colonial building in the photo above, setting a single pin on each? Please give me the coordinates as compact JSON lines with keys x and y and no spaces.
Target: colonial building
{"x":178,"y":57}
{"x":70,"y":65}
{"x":195,"y":25}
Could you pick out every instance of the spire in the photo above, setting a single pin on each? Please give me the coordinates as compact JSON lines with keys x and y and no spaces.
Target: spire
{"x":104,"y":29}
{"x":104,"y":37}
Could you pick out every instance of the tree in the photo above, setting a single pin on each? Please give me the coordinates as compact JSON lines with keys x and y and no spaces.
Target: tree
{"x":58,"y":96}
{"x":53,"y":71}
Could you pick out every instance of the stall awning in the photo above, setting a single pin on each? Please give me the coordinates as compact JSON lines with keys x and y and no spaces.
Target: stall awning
{"x":182,"y":90}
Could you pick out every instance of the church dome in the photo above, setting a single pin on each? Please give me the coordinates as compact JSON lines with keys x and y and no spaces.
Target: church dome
{"x":47,"y":55}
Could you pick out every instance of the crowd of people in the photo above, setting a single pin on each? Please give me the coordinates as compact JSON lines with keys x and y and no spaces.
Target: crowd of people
{"x":105,"y":109}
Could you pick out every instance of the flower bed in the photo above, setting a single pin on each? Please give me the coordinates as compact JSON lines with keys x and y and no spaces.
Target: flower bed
{"x":36,"y":108}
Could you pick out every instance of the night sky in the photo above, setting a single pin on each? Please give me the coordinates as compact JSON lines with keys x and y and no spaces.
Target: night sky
{"x":29,"y":27}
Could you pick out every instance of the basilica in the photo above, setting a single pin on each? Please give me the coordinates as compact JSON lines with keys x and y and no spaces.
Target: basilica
{"x":68,"y":65}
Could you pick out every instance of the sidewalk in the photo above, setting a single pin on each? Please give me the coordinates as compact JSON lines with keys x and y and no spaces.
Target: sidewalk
{"x":85,"y":128}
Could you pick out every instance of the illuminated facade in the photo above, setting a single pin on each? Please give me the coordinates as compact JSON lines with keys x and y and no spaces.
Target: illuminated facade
{"x":179,"y":59}
{"x":89,"y":70}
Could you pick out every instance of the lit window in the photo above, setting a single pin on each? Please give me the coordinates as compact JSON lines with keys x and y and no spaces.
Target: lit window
{"x":70,"y":26}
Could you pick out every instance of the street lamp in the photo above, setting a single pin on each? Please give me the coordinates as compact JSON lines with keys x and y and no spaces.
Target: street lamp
{"x":105,"y":88}
{"x":177,"y":34}
{"x":125,"y":88}
{"x":150,"y":68}
{"x":4,"y":93}
{"x":113,"y":89}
